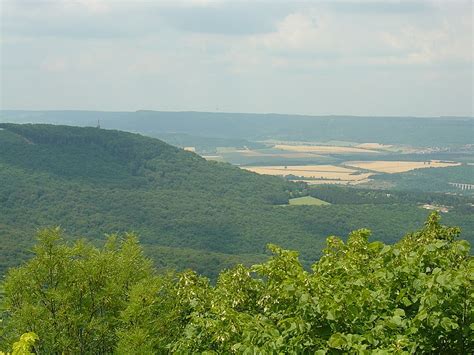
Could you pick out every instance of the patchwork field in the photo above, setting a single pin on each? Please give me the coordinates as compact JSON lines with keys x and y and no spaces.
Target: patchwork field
{"x":392,"y":167}
{"x":314,"y":174}
{"x":342,"y":162}
{"x":274,"y":152}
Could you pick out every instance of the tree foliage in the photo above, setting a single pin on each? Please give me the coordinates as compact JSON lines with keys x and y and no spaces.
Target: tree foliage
{"x":24,"y":346}
{"x":72,"y":296}
{"x":415,"y":296}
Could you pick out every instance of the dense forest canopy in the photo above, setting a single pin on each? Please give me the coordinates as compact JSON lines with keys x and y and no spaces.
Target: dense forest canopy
{"x":189,"y":212}
{"x":362,"y":296}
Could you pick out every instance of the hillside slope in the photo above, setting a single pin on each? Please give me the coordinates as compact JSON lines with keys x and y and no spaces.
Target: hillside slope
{"x":188,"y":212}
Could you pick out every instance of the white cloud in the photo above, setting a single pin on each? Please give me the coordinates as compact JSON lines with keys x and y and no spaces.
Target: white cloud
{"x":306,"y":58}
{"x":443,"y":44}
{"x":54,"y":65}
{"x":94,"y":6}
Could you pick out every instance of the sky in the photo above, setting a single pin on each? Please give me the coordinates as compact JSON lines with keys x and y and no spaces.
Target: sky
{"x":367,"y":58}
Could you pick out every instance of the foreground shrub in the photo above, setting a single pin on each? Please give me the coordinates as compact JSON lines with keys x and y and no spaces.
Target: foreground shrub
{"x":415,"y":296}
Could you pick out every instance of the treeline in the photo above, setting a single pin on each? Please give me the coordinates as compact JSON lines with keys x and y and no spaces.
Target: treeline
{"x":359,"y":196}
{"x":431,"y":179}
{"x":361,"y":297}
{"x":203,"y":144}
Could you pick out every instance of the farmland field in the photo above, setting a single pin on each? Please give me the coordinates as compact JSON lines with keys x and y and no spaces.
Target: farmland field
{"x":273,"y":152}
{"x":392,"y":167}
{"x":307,"y":201}
{"x":373,"y":165}
{"x":255,"y":153}
{"x":314,"y":174}
{"x":376,"y":146}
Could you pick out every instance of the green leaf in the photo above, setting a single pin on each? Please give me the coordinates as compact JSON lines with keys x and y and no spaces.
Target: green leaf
{"x":337,"y":341}
{"x":399,"y":312}
{"x":330,"y":315}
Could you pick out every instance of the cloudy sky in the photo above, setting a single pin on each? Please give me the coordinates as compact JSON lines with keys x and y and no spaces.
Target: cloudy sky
{"x":338,"y":57}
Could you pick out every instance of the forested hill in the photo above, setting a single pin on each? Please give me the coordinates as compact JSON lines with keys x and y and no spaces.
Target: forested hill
{"x":93,"y":181}
{"x":129,"y":160}
{"x":188,"y":212}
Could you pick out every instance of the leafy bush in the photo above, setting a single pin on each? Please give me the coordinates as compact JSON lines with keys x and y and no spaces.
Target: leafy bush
{"x":24,"y":345}
{"x":72,"y":296}
{"x":415,"y":296}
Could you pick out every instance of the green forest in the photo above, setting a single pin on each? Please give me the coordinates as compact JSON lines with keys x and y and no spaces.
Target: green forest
{"x":157,"y":250}
{"x":429,"y":180}
{"x":189,"y":212}
{"x":361,"y":296}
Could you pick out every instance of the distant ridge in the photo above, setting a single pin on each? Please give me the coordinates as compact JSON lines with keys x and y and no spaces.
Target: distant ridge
{"x":420,"y":131}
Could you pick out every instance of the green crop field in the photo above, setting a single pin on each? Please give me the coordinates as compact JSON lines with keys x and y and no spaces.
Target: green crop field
{"x":307,"y":200}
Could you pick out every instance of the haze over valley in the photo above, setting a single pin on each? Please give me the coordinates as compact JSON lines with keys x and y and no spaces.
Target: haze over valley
{"x":373,"y":152}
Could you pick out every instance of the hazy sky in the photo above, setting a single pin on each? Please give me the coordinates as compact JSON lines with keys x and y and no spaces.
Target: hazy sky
{"x":313,"y":57}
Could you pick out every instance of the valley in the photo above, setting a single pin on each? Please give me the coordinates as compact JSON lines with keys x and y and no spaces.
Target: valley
{"x":351,"y":163}
{"x":190,"y":212}
{"x":367,"y":152}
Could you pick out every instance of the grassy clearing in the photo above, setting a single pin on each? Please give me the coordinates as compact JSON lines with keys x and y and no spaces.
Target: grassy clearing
{"x":307,"y":201}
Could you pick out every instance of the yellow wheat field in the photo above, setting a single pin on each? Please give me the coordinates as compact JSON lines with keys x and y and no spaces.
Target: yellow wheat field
{"x":392,"y":167}
{"x":318,"y":172}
